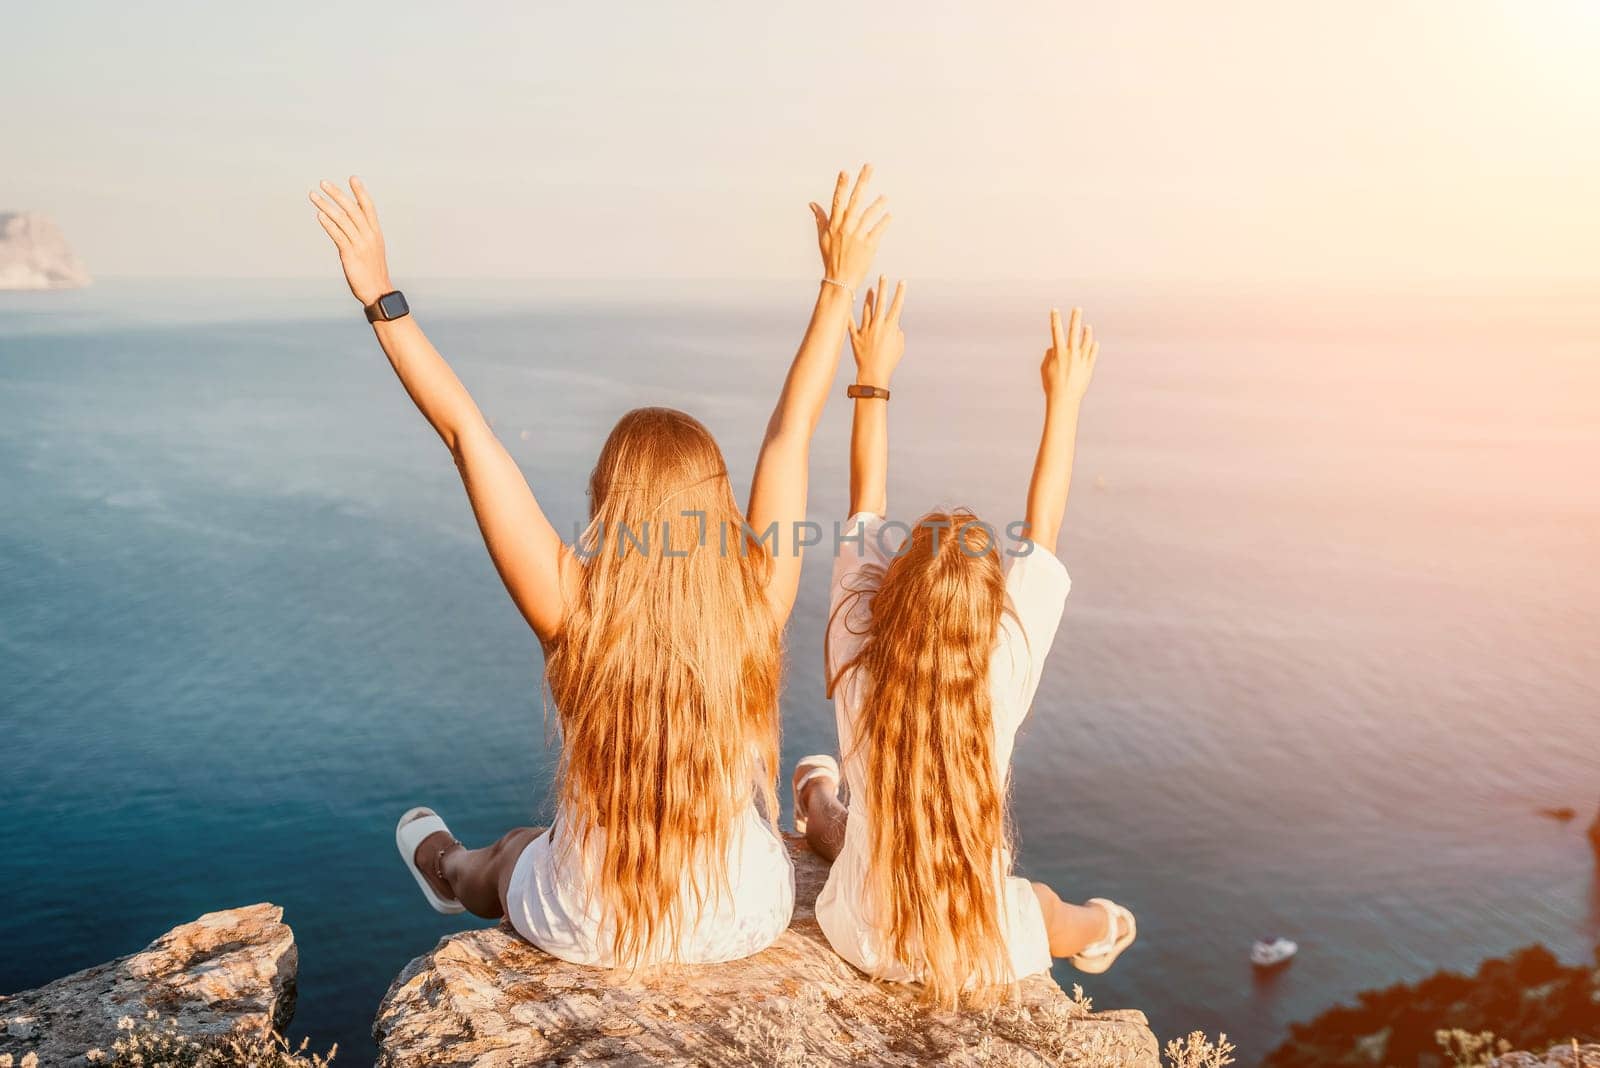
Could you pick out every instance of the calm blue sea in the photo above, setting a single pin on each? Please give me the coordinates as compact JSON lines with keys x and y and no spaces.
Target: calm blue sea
{"x":1333,"y":636}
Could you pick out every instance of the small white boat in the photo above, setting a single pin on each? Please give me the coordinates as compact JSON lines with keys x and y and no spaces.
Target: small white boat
{"x":1269,"y":953}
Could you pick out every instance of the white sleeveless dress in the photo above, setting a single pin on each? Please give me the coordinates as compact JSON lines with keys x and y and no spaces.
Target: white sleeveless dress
{"x":549,"y":902}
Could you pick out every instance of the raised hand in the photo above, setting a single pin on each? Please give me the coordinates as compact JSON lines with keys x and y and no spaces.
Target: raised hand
{"x":352,"y":222}
{"x":1069,"y":361}
{"x":878,"y":345}
{"x":878,"y":342}
{"x":848,"y":235}
{"x":1068,"y":365}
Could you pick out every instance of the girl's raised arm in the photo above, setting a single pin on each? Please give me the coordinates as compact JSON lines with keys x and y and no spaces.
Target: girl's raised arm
{"x":848,"y":237}
{"x":1068,"y":365}
{"x":525,"y":548}
{"x":878,"y":344}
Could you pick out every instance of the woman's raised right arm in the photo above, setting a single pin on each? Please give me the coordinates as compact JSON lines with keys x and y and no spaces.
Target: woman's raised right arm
{"x":1068,"y":365}
{"x":526,"y":550}
{"x":847,"y":237}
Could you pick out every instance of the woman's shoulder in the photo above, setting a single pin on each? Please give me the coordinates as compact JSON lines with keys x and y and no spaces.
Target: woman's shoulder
{"x":862,"y":546}
{"x":1037,"y":582}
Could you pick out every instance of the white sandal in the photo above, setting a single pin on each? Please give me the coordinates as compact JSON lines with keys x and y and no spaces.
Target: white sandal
{"x":1104,"y":953}
{"x":413,"y":827}
{"x":819,"y":766}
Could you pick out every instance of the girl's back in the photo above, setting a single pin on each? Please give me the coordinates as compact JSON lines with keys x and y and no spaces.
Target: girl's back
{"x":934,"y":654}
{"x":921,"y":883}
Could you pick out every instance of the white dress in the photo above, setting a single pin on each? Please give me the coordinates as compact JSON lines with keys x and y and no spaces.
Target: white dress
{"x":1036,"y":585}
{"x":548,"y":900}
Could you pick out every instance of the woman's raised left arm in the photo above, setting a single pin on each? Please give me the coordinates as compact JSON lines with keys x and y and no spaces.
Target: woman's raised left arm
{"x":878,"y":344}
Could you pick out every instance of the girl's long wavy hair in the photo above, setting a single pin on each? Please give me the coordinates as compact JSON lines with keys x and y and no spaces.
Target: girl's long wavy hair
{"x":665,"y":679}
{"x":935,"y":799}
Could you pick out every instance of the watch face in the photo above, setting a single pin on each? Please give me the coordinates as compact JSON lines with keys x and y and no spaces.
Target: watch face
{"x":393,"y":305}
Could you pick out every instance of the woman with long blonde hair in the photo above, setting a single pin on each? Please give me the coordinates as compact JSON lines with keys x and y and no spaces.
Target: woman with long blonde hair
{"x":661,"y":635}
{"x":934,"y":651}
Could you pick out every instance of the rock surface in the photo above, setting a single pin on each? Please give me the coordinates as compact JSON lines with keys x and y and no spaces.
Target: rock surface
{"x":225,"y":973}
{"x":1563,"y":1056}
{"x":35,"y":255}
{"x":487,"y":998}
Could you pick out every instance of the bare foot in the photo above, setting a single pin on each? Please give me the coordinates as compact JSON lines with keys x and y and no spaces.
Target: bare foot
{"x":429,"y":859}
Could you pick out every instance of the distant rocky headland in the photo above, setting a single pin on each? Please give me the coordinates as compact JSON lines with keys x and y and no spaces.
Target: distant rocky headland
{"x":35,"y":255}
{"x":1527,"y":1001}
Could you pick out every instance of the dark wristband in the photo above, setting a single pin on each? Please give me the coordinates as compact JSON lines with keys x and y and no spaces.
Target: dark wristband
{"x":855,"y":392}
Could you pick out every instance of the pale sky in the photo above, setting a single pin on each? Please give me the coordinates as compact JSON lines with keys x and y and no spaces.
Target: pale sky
{"x":1366,"y":140}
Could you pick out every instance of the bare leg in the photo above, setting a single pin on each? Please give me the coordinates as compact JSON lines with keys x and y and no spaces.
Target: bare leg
{"x":475,"y":877}
{"x":825,"y":816}
{"x":1072,"y":928}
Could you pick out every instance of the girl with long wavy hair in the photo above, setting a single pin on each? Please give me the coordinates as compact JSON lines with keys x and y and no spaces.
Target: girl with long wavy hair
{"x":934,"y":651}
{"x":661,"y":635}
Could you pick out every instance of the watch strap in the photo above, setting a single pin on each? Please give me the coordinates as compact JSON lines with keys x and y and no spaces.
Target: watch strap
{"x":856,"y":392}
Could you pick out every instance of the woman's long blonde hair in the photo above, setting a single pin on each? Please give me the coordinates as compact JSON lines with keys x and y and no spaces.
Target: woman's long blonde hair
{"x":665,"y":678}
{"x":935,"y":799}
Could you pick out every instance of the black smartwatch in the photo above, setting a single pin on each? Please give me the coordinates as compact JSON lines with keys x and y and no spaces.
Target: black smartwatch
{"x":388,"y":307}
